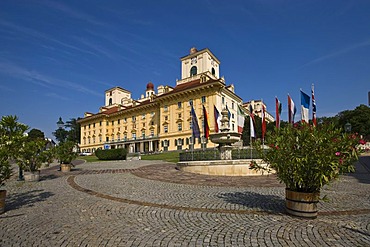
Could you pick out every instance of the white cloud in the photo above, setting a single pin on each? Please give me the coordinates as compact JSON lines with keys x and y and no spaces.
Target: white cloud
{"x":338,"y":53}
{"x":42,"y":79}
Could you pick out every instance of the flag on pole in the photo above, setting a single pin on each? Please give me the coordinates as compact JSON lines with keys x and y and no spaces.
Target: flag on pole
{"x":251,"y":119}
{"x":314,"y":121}
{"x":291,"y":110}
{"x":241,"y":118}
{"x":194,"y":124}
{"x":278,"y":108}
{"x":217,"y":116}
{"x":305,"y":105}
{"x":263,"y":121}
{"x":206,"y":123}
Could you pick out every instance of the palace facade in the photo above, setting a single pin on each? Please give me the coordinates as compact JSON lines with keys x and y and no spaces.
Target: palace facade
{"x":161,"y":119}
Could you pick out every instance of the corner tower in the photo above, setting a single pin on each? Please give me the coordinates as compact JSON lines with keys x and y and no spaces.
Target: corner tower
{"x":199,"y":63}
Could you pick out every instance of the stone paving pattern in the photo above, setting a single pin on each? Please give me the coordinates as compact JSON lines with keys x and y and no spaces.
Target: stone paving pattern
{"x":150,"y":203}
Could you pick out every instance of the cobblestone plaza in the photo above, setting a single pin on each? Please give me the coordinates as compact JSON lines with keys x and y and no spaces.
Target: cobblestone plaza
{"x":150,"y":203}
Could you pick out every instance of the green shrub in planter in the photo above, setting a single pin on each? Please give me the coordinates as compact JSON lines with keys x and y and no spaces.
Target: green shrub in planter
{"x":111,"y":154}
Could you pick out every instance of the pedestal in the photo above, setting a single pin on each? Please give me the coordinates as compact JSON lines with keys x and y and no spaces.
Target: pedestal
{"x":226,"y":152}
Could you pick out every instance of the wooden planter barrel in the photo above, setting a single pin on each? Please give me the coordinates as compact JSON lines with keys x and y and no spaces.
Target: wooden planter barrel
{"x":33,"y":176}
{"x":301,"y":204}
{"x":65,"y":167}
{"x":2,"y":201}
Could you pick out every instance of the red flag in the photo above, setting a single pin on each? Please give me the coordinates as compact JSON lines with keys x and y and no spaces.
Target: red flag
{"x":251,"y":119}
{"x":263,"y":121}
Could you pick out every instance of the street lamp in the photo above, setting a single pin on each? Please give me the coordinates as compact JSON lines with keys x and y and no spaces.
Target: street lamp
{"x":348,"y":127}
{"x":60,"y":123}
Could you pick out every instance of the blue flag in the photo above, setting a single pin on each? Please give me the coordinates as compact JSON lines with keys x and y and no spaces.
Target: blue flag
{"x":194,"y":124}
{"x":305,"y":104}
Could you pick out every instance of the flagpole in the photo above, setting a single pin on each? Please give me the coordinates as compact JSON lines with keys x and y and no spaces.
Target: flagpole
{"x":192,"y":140}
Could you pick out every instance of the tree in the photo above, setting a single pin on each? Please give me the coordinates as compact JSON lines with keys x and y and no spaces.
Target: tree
{"x":61,"y":135}
{"x":359,"y":118}
{"x":13,"y":134}
{"x":12,"y":138}
{"x":74,"y":133}
{"x":36,"y":134}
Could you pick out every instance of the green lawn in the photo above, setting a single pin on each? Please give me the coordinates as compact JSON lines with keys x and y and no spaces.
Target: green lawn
{"x":169,"y":156}
{"x":91,"y":158}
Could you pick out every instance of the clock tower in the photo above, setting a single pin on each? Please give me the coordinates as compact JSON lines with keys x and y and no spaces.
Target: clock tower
{"x":199,"y":63}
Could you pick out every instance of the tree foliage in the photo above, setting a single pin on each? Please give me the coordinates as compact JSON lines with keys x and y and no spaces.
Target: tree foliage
{"x":71,"y":131}
{"x":11,"y":139}
{"x":35,"y":134}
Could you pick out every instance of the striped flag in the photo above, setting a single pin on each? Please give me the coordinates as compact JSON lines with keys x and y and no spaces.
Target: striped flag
{"x":194,"y":124}
{"x":263,"y":121}
{"x":206,"y":123}
{"x":291,"y":110}
{"x":241,"y":118}
{"x":314,"y":121}
{"x":217,"y":116}
{"x":251,"y":119}
{"x":305,"y":105}
{"x":278,"y":108}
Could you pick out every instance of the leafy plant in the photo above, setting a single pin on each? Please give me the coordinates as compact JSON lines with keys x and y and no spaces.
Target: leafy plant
{"x":65,"y":152}
{"x":306,"y":158}
{"x":11,"y":139}
{"x":30,"y":156}
{"x":5,"y":169}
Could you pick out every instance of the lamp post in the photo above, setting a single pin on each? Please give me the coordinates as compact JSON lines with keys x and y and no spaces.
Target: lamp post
{"x":60,"y":123}
{"x":348,"y":127}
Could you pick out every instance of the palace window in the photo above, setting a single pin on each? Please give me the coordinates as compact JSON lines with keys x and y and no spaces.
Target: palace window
{"x":165,"y":108}
{"x":190,"y":102}
{"x":179,"y":126}
{"x":203,"y":99}
{"x":179,"y":105}
{"x":165,"y":128}
{"x":193,"y":71}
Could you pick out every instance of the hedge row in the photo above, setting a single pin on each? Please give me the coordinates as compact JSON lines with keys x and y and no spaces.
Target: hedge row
{"x":111,"y":154}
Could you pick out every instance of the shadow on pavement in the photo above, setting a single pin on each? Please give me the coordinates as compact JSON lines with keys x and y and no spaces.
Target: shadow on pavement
{"x":362,"y":172}
{"x":270,"y":203}
{"x":26,"y":199}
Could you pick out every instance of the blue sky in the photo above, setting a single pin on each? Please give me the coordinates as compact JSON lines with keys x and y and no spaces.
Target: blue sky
{"x":58,"y":57}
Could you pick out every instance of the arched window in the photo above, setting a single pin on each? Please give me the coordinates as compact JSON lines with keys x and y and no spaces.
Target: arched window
{"x":193,"y":71}
{"x":110,"y":101}
{"x":213,"y":71}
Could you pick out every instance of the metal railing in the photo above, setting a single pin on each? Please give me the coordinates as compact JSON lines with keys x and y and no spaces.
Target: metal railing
{"x":214,"y":154}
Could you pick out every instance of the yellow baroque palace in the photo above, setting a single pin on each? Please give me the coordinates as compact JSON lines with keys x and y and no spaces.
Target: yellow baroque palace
{"x":161,"y":119}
